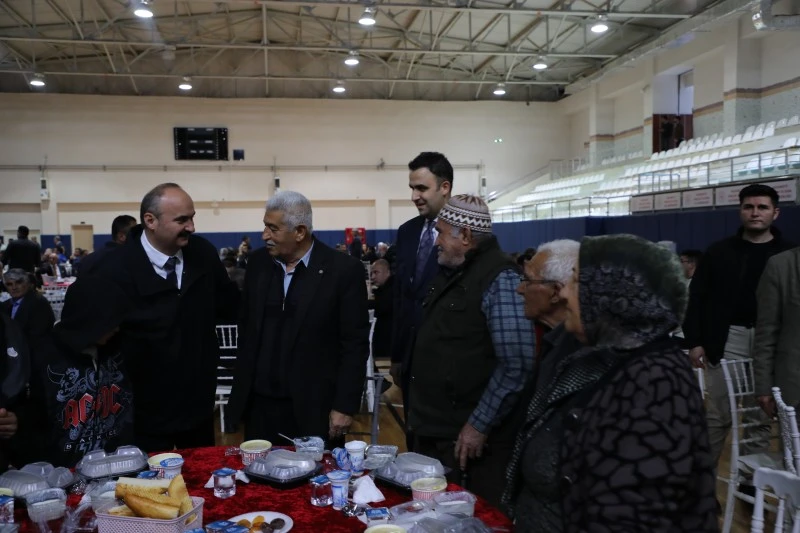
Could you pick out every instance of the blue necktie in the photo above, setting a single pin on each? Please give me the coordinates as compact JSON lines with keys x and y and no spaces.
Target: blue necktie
{"x":424,"y":251}
{"x":15,"y":307}
{"x":169,"y":266}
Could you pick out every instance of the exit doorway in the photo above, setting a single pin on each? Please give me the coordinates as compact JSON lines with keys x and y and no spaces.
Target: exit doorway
{"x":83,"y":236}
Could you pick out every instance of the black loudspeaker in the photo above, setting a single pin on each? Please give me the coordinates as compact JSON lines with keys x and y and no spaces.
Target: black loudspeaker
{"x":238,"y":154}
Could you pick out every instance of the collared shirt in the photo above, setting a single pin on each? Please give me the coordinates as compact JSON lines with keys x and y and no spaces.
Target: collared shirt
{"x":513,"y":340}
{"x":434,"y":231}
{"x":15,"y":307}
{"x":287,"y":276}
{"x":158,"y":259}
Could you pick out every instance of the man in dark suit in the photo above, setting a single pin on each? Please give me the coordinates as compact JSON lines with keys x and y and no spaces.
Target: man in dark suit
{"x":29,"y":309}
{"x":303,"y":333}
{"x":120,"y":227}
{"x":380,"y":276}
{"x":431,"y":183}
{"x":179,"y":291}
{"x":22,"y":252}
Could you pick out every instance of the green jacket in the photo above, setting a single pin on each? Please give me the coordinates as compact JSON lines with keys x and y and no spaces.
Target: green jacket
{"x":454,"y":357}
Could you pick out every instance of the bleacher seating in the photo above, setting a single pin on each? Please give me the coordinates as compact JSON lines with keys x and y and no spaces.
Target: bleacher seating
{"x":709,"y":160}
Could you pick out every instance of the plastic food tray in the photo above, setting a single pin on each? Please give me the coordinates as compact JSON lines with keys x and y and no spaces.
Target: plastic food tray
{"x":22,"y":483}
{"x":379,"y":455}
{"x":459,"y":501}
{"x":283,"y":465}
{"x":107,"y":523}
{"x":98,"y":464}
{"x":283,"y":483}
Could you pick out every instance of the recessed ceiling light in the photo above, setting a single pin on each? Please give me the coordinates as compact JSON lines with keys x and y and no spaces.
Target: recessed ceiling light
{"x":339,"y":88}
{"x":352,"y":59}
{"x":601,"y":25}
{"x":142,"y":9}
{"x":500,"y":90}
{"x":367,"y":17}
{"x":37,"y":80}
{"x":186,"y":84}
{"x":540,"y":64}
{"x":498,"y":140}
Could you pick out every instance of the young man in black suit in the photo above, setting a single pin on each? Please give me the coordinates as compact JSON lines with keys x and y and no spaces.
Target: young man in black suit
{"x":303,"y":333}
{"x":22,"y":252}
{"x":431,"y":182}
{"x":179,"y":292}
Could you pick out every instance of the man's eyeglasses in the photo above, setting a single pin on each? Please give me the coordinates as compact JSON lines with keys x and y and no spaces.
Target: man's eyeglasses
{"x":526,"y":280}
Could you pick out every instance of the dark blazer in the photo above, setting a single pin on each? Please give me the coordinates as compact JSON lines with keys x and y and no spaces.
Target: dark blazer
{"x":409,"y":292}
{"x":329,"y":344}
{"x":776,"y":353}
{"x":712,"y":293}
{"x":169,"y":339}
{"x":35,"y":316}
{"x":384,"y":310}
{"x":24,"y":254}
{"x":88,"y":263}
{"x":49,"y":270}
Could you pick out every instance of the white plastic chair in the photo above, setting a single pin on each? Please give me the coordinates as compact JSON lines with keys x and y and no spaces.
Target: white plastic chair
{"x":781,"y":123}
{"x":228,"y":341}
{"x":786,"y":487}
{"x":790,"y":436}
{"x":740,"y":384}
{"x":794,"y":121}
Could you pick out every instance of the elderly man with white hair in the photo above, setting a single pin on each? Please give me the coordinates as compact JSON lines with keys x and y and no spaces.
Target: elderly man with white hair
{"x":304,"y":332}
{"x":473,"y":353}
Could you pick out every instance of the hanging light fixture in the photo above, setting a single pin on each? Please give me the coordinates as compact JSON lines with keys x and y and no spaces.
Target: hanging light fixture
{"x":600,"y":25}
{"x":142,"y":9}
{"x":500,"y":89}
{"x":339,"y":88}
{"x":367,"y":17}
{"x":352,"y":59}
{"x":37,"y":80}
{"x":186,"y":84}
{"x":540,"y":64}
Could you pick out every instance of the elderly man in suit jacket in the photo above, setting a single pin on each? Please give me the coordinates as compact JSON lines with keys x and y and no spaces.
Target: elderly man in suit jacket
{"x":303,"y":334}
{"x":776,"y":353}
{"x":29,"y":309}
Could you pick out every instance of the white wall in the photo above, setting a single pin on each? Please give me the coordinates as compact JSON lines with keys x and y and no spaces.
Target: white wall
{"x":628,"y":111}
{"x":349,"y":136}
{"x":780,"y":57}
{"x":578,"y":134}
{"x":708,"y":80}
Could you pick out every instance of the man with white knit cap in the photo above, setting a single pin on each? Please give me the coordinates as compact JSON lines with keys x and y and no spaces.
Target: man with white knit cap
{"x":473,"y":353}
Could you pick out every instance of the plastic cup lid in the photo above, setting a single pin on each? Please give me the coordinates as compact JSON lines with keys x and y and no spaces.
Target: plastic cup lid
{"x":224,"y":472}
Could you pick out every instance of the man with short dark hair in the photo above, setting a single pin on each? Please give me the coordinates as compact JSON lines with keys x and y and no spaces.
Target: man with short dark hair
{"x":689,"y":261}
{"x":29,"y":309}
{"x":431,"y":182}
{"x":472,"y":352}
{"x":179,"y":292}
{"x":721,"y":317}
{"x":120,"y":227}
{"x":22,"y":252}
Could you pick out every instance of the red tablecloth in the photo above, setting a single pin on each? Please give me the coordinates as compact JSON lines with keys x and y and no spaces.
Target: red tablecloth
{"x":199,"y":463}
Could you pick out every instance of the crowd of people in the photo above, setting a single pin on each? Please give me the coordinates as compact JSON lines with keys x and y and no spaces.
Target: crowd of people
{"x":554,"y":383}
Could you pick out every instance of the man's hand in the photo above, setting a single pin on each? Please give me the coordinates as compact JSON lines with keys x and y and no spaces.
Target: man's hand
{"x":8,"y":424}
{"x":470,"y":445}
{"x":396,"y":371}
{"x":698,"y":357}
{"x":338,"y":424}
{"x":767,"y":404}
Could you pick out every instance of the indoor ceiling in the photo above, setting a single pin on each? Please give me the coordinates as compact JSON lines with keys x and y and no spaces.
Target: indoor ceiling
{"x":416,"y":50}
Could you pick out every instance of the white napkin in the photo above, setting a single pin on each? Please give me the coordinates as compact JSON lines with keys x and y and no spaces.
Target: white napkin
{"x":366,"y":491}
{"x":240,"y":475}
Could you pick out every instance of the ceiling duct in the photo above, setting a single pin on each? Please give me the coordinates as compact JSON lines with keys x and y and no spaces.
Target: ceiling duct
{"x":765,"y":20}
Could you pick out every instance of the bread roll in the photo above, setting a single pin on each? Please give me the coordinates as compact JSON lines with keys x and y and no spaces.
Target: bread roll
{"x":186,"y":505}
{"x":121,"y":510}
{"x":141,"y":486}
{"x":177,"y":489}
{"x":146,"y":508}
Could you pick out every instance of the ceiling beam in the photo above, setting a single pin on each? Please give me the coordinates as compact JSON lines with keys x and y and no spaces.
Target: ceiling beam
{"x":296,"y":47}
{"x":331,"y":79}
{"x":428,"y":6}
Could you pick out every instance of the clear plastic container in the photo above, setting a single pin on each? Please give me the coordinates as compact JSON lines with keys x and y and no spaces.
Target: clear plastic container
{"x":459,"y":501}
{"x":22,"y":483}
{"x":312,"y":446}
{"x":282,"y":465}
{"x":411,"y":512}
{"x":48,"y":504}
{"x":98,"y":464}
{"x":60,"y":477}
{"x":419,"y":463}
{"x":101,"y":494}
{"x":40,"y":468}
{"x":378,"y":455}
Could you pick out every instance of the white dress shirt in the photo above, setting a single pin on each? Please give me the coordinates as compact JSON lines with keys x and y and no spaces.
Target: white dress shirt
{"x":158,"y":259}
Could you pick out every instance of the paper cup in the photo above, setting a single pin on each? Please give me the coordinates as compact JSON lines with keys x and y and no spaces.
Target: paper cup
{"x":427,"y":487}
{"x":166,"y":465}
{"x":355,"y":449}
{"x":254,"y":449}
